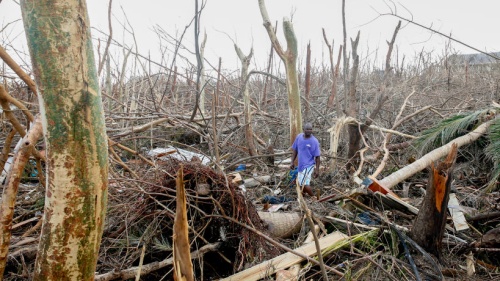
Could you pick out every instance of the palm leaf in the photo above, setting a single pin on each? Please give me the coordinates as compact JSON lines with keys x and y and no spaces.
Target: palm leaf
{"x":448,"y":130}
{"x":493,"y":151}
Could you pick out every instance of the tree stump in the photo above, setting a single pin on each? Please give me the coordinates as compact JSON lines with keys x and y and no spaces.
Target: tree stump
{"x":428,"y":229}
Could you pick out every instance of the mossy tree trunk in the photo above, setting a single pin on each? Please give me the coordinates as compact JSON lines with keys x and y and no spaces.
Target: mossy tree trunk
{"x":59,"y":40}
{"x":289,"y":58}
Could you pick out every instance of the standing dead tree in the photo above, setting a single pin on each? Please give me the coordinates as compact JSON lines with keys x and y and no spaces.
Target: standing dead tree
{"x":289,"y":58}
{"x":352,"y":109}
{"x":245,"y":62}
{"x":334,"y":68}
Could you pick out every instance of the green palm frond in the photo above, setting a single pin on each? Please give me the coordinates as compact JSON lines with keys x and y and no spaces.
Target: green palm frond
{"x":161,"y":244}
{"x":448,"y":130}
{"x":493,"y":151}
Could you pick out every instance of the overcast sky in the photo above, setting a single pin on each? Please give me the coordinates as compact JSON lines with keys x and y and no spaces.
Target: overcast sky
{"x":475,"y":23}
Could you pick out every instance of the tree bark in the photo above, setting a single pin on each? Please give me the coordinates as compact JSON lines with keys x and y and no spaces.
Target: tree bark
{"x":289,"y":58}
{"x":428,"y":229}
{"x":59,"y":40}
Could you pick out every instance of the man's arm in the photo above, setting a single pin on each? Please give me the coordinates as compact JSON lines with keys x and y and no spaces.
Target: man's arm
{"x":318,"y":163}
{"x":294,"y":156}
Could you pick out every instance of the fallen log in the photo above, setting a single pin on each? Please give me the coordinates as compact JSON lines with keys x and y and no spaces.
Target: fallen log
{"x":424,"y":162}
{"x":286,"y":260}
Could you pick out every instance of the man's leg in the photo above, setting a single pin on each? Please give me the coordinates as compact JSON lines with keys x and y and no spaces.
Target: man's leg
{"x":307,"y":189}
{"x":304,"y":178}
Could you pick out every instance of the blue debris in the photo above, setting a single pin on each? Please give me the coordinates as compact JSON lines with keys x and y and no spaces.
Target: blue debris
{"x":241,"y":167}
{"x":367,"y":219}
{"x":366,"y":182}
{"x":290,"y":177}
{"x":275,"y":200}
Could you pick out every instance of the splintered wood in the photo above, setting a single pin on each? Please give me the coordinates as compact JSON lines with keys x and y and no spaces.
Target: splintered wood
{"x":183,"y":267}
{"x":428,"y":229}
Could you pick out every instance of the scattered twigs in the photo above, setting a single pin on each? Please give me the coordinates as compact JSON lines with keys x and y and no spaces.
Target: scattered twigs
{"x":277,"y":244}
{"x":485,"y":216}
{"x":119,"y":145}
{"x":119,"y":160}
{"x":407,"y":254}
{"x":388,"y":136}
{"x":307,"y":211}
{"x":234,"y":163}
{"x":424,"y":253}
{"x":151,"y":267}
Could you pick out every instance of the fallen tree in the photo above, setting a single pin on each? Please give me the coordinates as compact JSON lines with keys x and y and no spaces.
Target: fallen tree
{"x":424,"y":162}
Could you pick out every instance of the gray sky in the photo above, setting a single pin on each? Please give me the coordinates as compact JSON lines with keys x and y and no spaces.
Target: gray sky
{"x":224,"y":20}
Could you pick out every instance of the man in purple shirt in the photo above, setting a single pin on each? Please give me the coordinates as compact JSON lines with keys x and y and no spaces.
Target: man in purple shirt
{"x":306,"y":148}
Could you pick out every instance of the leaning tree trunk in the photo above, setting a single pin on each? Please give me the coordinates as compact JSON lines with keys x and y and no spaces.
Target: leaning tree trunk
{"x":428,"y":229}
{"x":59,"y":40}
{"x":289,"y":58}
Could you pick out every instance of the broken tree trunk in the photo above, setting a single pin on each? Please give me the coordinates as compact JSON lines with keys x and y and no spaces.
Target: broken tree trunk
{"x":183,"y":267}
{"x":428,"y":229}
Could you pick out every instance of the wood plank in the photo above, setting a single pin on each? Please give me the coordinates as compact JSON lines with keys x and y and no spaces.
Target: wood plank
{"x":409,"y":207}
{"x":286,"y":260}
{"x":376,"y":186}
{"x":458,"y":217}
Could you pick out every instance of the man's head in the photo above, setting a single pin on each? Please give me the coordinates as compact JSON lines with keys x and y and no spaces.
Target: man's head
{"x":308,"y":128}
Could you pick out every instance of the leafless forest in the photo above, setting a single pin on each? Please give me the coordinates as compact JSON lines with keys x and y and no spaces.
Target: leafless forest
{"x":187,"y":124}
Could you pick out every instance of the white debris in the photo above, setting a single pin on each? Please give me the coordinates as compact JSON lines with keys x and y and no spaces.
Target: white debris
{"x":177,"y":153}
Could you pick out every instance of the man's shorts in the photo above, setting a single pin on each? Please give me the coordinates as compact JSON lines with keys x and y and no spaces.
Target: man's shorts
{"x":304,"y":176}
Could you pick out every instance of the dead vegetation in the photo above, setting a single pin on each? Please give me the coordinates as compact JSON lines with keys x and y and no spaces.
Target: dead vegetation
{"x":248,"y":227}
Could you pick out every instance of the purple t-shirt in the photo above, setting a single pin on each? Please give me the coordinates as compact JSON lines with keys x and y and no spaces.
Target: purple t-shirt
{"x":307,"y":150}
